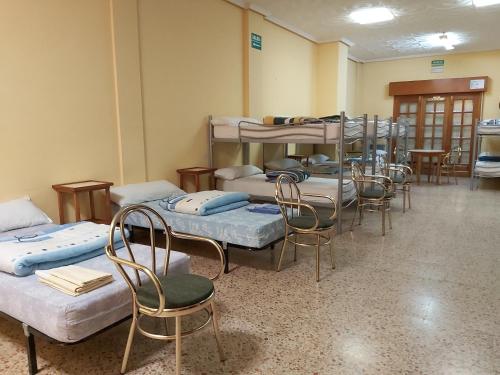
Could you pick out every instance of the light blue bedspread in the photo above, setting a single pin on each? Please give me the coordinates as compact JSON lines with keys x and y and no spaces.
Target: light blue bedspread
{"x":53,"y":247}
{"x":205,"y":203}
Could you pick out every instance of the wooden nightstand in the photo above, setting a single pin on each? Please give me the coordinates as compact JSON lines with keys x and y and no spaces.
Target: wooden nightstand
{"x":196,"y":172}
{"x":299,"y":157}
{"x":84,"y":187}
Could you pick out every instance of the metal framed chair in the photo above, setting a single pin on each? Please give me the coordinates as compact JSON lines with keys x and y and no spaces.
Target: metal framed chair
{"x":158,"y":294}
{"x":401,"y":176}
{"x":374,"y":193}
{"x":301,"y":218}
{"x":449,"y":163}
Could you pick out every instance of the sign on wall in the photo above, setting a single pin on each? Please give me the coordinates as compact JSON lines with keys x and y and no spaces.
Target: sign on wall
{"x":437,"y":66}
{"x":256,"y":41}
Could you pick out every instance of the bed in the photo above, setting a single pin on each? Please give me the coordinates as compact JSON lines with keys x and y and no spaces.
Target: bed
{"x":487,"y":168}
{"x":257,"y":186}
{"x":67,"y":319}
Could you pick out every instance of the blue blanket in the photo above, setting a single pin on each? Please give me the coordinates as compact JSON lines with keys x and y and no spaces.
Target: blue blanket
{"x":298,"y":175}
{"x":486,"y":156}
{"x":59,"y":246}
{"x":205,"y":203}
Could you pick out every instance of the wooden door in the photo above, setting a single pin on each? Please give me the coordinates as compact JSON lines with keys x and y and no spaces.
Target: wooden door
{"x":408,"y":107}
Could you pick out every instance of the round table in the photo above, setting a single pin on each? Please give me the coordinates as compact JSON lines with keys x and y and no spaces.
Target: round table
{"x":418,"y":153}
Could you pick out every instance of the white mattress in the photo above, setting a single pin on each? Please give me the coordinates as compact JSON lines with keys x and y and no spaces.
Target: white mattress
{"x":70,"y":319}
{"x":487,"y":169}
{"x":257,"y":186}
{"x":488,"y":129}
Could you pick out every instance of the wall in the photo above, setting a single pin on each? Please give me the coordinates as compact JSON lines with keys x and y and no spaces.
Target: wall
{"x":58,"y":114}
{"x":353,"y":90}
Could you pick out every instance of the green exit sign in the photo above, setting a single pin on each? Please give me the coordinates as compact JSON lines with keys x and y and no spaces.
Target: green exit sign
{"x":256,"y":41}
{"x":437,"y":66}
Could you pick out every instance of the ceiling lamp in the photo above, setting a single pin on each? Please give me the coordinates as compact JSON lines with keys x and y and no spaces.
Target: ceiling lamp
{"x":372,"y":15}
{"x":445,"y":42}
{"x":485,"y":3}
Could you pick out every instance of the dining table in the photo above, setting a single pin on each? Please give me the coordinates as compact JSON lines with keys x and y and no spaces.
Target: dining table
{"x":418,"y":153}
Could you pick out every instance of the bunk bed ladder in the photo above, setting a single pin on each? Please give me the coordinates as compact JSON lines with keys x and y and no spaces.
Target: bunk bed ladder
{"x":374,"y":145}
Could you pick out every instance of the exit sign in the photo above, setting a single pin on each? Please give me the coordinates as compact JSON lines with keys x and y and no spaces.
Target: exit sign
{"x":256,"y":41}
{"x":437,"y":66}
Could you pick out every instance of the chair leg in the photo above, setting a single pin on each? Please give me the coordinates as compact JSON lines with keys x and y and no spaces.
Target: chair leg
{"x":317,"y":257}
{"x":361,"y":214}
{"x":215,"y":323}
{"x":409,"y":196}
{"x":295,"y":247}
{"x":455,"y":175}
{"x":283,"y":247}
{"x":130,"y":339}
{"x":389,"y":214}
{"x":383,"y":220}
{"x":332,"y":252}
{"x":178,"y":351}
{"x":354,"y":217}
{"x":404,"y":199}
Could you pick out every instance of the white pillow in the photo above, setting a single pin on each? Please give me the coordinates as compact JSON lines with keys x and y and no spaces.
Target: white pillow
{"x":281,"y":164}
{"x":143,"y":192}
{"x":318,"y":158}
{"x":233,"y":121}
{"x":232,"y":173}
{"x":21,"y":213}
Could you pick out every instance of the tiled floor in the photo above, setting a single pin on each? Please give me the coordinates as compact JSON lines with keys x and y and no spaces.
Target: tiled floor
{"x":423,"y":300}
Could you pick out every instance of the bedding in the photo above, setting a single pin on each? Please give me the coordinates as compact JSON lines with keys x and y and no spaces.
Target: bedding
{"x":205,"y":203}
{"x":69,"y":319}
{"x":21,"y":213}
{"x":233,"y":121}
{"x":487,"y":169}
{"x":488,"y":156}
{"x":52,"y":247}
{"x":230,"y":173}
{"x":143,"y":192}
{"x":274,"y":120}
{"x":280,"y":164}
{"x":237,"y":227}
{"x":298,"y":175}
{"x":257,"y":187}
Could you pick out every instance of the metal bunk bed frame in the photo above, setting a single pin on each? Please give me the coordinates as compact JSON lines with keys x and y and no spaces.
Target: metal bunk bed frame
{"x":476,"y":150}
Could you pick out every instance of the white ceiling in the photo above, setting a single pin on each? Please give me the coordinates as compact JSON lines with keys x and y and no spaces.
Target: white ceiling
{"x":327,"y":20}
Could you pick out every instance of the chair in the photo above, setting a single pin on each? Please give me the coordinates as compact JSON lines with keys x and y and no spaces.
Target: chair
{"x":292,"y":206}
{"x":449,"y":163}
{"x":163,"y":296}
{"x":400,"y":175}
{"x":374,"y":192}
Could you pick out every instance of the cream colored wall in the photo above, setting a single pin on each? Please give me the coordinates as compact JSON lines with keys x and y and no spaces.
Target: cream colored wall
{"x":57,"y":120}
{"x":352,"y":89}
{"x":376,"y":76}
{"x":192,"y":66}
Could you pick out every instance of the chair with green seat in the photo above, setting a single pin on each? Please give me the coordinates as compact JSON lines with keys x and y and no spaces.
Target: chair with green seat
{"x":374,"y":193}
{"x":301,"y":218}
{"x":158,"y":294}
{"x":401,"y":176}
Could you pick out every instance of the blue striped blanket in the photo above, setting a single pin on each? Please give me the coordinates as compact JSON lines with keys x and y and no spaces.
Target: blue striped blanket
{"x":298,"y":175}
{"x":205,"y":202}
{"x":55,"y":247}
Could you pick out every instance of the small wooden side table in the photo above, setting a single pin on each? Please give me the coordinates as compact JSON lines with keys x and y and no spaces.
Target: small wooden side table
{"x":84,"y":187}
{"x":196,"y":172}
{"x":419,"y":153}
{"x":299,"y":157}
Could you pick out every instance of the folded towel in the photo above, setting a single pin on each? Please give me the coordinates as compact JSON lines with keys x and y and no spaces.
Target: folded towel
{"x":264,"y":208}
{"x":205,"y":202}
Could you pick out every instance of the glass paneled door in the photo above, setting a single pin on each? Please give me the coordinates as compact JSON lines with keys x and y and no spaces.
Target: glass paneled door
{"x":465,"y":112}
{"x":408,"y":108}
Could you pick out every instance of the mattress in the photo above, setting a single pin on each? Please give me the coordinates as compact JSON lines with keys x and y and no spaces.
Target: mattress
{"x":257,"y":186}
{"x":488,"y":129}
{"x":69,"y":319}
{"x":487,"y":169}
{"x":237,"y":227}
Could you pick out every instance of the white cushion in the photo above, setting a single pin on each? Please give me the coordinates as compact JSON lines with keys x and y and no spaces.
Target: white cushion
{"x":318,"y":158}
{"x":21,"y":213}
{"x":233,"y":121}
{"x":232,"y":173}
{"x":281,"y":164}
{"x":143,"y":192}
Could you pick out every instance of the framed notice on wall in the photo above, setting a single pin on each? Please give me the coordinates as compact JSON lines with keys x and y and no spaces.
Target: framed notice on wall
{"x":437,"y":66}
{"x":256,"y":40}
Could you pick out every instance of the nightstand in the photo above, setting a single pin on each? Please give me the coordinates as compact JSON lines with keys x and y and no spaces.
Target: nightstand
{"x":196,"y":172}
{"x":89,"y":187}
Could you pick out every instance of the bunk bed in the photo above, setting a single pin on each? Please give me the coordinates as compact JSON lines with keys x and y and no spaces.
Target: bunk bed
{"x":485,"y":164}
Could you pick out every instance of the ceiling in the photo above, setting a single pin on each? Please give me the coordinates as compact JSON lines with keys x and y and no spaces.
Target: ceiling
{"x":327,"y":20}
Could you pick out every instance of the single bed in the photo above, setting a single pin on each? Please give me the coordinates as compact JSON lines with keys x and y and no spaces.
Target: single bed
{"x":257,"y":186}
{"x":67,"y":319}
{"x":487,"y":169}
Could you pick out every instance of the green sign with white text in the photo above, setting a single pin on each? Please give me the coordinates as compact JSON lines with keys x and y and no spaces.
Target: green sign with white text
{"x":256,"y":41}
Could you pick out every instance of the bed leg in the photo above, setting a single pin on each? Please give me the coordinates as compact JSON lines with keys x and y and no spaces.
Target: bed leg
{"x":131,"y":231}
{"x":31,"y":350}
{"x":226,"y":256}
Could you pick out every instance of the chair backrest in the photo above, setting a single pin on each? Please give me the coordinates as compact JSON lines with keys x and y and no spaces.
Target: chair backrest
{"x":358,"y":177}
{"x":287,"y":195}
{"x":455,"y":155}
{"x":134,"y":281}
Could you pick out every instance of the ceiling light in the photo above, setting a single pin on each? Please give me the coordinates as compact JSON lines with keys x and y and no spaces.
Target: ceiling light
{"x":447,"y":44}
{"x":372,"y":15}
{"x":485,"y":3}
{"x":446,"y":40}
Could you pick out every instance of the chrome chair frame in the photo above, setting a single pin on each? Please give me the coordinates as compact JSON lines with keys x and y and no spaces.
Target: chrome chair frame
{"x":139,"y":311}
{"x":293,"y":206}
{"x":382,"y":204}
{"x":402,"y":170}
{"x":449,"y":163}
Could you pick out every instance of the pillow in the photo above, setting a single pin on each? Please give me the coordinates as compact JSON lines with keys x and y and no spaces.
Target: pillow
{"x":281,"y":164}
{"x":233,"y":173}
{"x":21,"y":213}
{"x":318,"y":158}
{"x":233,"y":121}
{"x":143,"y":192}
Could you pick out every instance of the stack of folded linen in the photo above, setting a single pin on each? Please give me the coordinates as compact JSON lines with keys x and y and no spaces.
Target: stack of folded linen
{"x":74,"y":280}
{"x":298,"y":175}
{"x":264,"y":208}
